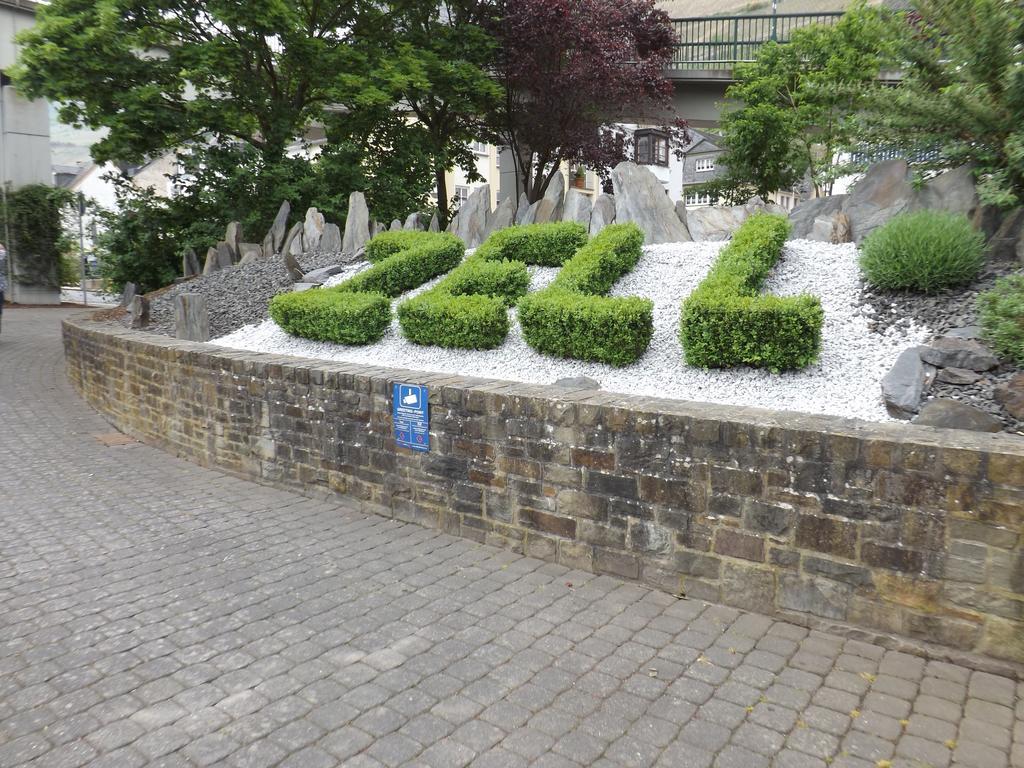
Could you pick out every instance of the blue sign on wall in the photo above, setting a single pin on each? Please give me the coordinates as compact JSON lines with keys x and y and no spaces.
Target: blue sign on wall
{"x":411,"y":416}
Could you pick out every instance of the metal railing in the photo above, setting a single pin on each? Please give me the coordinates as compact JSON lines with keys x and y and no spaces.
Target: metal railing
{"x":719,"y":42}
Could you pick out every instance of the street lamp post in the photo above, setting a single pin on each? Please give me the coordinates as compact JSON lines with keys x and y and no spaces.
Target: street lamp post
{"x":81,"y":243}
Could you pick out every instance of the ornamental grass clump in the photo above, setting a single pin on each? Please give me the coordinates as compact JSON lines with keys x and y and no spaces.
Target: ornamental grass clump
{"x":925,"y":251}
{"x":1002,"y":317}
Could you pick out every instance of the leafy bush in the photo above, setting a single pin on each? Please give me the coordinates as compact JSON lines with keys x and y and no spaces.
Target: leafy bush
{"x":432,"y":254}
{"x":468,"y":309}
{"x":545,"y":245}
{"x":727,"y":322}
{"x":1002,"y":317}
{"x":32,"y":219}
{"x":326,"y":315}
{"x":572,"y":318}
{"x":359,"y":310}
{"x":924,"y":251}
{"x":389,"y":243}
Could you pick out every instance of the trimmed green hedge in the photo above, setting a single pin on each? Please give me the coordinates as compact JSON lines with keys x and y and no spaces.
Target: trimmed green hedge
{"x":727,"y":321}
{"x":469,"y":308}
{"x":389,"y":243}
{"x":573,"y":318}
{"x":359,"y":310}
{"x":1002,"y":317}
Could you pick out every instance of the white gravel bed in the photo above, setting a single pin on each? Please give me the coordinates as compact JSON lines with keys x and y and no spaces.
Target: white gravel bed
{"x":845,"y":381}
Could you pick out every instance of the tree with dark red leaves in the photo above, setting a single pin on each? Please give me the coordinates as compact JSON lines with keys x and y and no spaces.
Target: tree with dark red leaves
{"x":571,"y":71}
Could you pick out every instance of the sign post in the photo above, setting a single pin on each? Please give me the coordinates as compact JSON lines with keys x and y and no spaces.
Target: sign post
{"x":411,"y":416}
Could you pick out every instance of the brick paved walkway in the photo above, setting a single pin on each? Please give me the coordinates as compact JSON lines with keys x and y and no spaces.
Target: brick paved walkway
{"x":155,"y":613}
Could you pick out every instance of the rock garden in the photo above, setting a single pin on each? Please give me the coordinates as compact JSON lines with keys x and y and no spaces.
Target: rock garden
{"x":898,"y":301}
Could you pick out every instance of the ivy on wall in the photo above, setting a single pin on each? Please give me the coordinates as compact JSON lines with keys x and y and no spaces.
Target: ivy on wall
{"x":31,"y":219}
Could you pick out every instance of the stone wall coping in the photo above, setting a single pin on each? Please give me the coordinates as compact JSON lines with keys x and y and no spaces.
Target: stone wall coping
{"x":208,"y":353}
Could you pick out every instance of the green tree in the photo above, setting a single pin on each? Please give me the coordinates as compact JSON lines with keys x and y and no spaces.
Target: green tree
{"x":33,"y":219}
{"x":962,"y":95}
{"x":439,"y":58}
{"x":796,"y":106}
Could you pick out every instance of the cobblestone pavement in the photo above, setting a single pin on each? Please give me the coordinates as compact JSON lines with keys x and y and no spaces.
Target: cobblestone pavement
{"x":156,"y":613}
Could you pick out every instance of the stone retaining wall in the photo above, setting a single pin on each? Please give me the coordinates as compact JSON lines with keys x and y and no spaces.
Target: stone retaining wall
{"x":895,"y":529}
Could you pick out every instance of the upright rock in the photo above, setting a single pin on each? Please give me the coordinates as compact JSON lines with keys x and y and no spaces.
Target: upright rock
{"x":357,"y":225}
{"x":295,"y":271}
{"x":312,"y":230}
{"x":952,"y":414}
{"x":190,"y":264}
{"x":555,"y":194}
{"x":641,"y":199}
{"x":212,"y":263}
{"x":883,"y":193}
{"x":293,"y":241}
{"x":577,"y":207}
{"x":435,"y":224}
{"x":225,"y":255}
{"x":502,"y":217}
{"x":470,"y":223}
{"x":330,"y":240}
{"x":233,"y":238}
{"x":602,"y":214}
{"x":683,"y":214}
{"x":139,"y":312}
{"x":953,"y":191}
{"x":396,"y":226}
{"x":252,"y":250}
{"x":522,"y":208}
{"x":903,"y":385}
{"x":412,"y":222}
{"x":130,"y":289}
{"x":804,"y":217}
{"x":191,"y":318}
{"x":274,"y":241}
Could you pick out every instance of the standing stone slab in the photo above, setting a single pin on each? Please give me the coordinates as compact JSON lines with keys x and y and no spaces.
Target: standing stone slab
{"x":435,"y":224}
{"x":412,"y":222}
{"x":225,"y":255}
{"x":682,"y":213}
{"x":190,"y":264}
{"x":191,"y":319}
{"x":555,"y":195}
{"x":357,"y":225}
{"x":470,"y":223}
{"x":883,"y":193}
{"x":603,"y":213}
{"x":212,"y":263}
{"x":295,"y":271}
{"x":233,"y":238}
{"x":312,"y":230}
{"x":293,"y":242}
{"x":139,"y":312}
{"x":396,"y":226}
{"x":806,"y":214}
{"x":130,"y":289}
{"x":330,"y":241}
{"x":577,"y":207}
{"x":641,"y":199}
{"x":522,"y":208}
{"x":252,"y":250}
{"x":502,"y":217}
{"x":274,"y":240}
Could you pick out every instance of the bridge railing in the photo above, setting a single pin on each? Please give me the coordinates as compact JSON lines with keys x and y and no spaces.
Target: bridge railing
{"x":720,"y":42}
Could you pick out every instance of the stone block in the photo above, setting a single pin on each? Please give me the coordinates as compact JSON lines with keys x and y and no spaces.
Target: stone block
{"x":732,"y":543}
{"x":748,"y":587}
{"x":825,"y":534}
{"x":616,"y":563}
{"x":697,"y":564}
{"x":848,"y":573}
{"x":818,"y":597}
{"x":553,"y":524}
{"x":762,"y":517}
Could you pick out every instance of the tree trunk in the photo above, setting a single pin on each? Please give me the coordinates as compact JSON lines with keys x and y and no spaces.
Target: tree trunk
{"x":440,"y":174}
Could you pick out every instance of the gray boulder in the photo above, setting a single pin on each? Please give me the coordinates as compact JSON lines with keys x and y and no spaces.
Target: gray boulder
{"x":953,"y":191}
{"x":541,"y":212}
{"x":603,"y":213}
{"x":312,"y":230}
{"x":190,"y":264}
{"x":1010,"y":394}
{"x":883,"y":193}
{"x":965,"y":332}
{"x":250,"y":249}
{"x":274,"y":240}
{"x":716,"y":223}
{"x":502,"y":217}
{"x":396,"y":226}
{"x":904,"y":384}
{"x":412,"y":222}
{"x":522,"y":208}
{"x":470,"y":223}
{"x":683,"y":214}
{"x":1003,"y":244}
{"x":806,"y":214}
{"x":641,"y":199}
{"x":577,"y":207}
{"x":321,"y":275}
{"x":357,"y":225}
{"x":958,"y":376}
{"x":330,"y":240}
{"x":293,"y":241}
{"x":950,"y":352}
{"x":434,"y":225}
{"x":128,"y":294}
{"x":951,"y":414}
{"x":249,"y":258}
